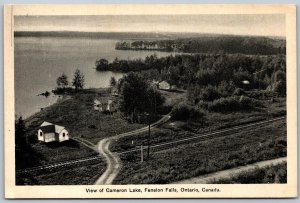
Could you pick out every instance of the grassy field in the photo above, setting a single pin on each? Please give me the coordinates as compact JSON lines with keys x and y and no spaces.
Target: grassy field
{"x":212,"y":121}
{"x":190,"y":160}
{"x":76,"y":113}
{"x":80,"y":119}
{"x":271,"y":174}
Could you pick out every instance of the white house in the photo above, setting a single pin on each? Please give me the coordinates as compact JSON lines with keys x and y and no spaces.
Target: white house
{"x":111,"y":106}
{"x":163,"y":85}
{"x":97,"y":105}
{"x":105,"y":105}
{"x":49,"y":132}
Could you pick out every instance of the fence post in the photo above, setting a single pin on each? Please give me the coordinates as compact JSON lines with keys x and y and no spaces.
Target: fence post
{"x":142,"y":155}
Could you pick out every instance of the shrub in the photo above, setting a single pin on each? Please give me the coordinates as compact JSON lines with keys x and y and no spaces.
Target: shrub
{"x":209,"y":93}
{"x":233,"y":103}
{"x":185,"y":112}
{"x":224,"y":104}
{"x":226,"y":88}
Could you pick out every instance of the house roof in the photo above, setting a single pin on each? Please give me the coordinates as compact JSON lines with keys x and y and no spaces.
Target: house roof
{"x":47,"y":127}
{"x":163,"y":82}
{"x":46,"y":123}
{"x":102,"y":100}
{"x":96,"y":102}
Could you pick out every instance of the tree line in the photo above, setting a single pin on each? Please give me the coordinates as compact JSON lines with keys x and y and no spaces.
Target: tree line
{"x":214,"y":82}
{"x":209,"y":44}
{"x":207,"y":69}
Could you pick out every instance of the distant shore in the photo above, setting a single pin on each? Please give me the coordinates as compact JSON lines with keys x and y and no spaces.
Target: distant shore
{"x":129,"y":35}
{"x":93,"y":35}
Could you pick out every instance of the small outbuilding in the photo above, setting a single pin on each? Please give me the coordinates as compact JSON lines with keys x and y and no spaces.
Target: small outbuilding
{"x":164,"y":85}
{"x":49,"y":132}
{"x":174,"y":87}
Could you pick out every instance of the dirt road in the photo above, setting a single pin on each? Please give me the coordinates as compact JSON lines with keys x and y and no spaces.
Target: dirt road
{"x":209,"y":178}
{"x":113,"y":161}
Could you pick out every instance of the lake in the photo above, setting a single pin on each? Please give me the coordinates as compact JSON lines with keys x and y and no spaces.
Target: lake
{"x":40,"y":60}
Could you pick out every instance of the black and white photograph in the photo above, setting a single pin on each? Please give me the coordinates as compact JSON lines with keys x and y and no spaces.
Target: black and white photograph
{"x":141,"y":99}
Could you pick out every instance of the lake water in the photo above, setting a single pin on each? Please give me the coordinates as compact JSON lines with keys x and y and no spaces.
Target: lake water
{"x":40,"y":60}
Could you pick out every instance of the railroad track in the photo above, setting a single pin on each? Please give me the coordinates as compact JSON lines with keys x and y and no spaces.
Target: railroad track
{"x":59,"y":164}
{"x":202,"y":137}
{"x":206,"y":136}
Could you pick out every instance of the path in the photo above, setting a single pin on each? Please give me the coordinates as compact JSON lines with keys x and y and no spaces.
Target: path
{"x":209,"y":178}
{"x":114,"y":163}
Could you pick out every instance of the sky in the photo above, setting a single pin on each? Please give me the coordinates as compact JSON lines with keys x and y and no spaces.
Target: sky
{"x":238,"y":24}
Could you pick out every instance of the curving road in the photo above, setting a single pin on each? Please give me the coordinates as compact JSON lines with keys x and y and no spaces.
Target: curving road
{"x":113,"y":161}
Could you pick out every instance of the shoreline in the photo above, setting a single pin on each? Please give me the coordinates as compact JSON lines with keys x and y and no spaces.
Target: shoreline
{"x":61,"y":98}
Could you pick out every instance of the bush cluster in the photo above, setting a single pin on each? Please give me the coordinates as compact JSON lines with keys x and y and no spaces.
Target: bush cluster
{"x":270,"y":174}
{"x":185,"y":112}
{"x":233,"y":103}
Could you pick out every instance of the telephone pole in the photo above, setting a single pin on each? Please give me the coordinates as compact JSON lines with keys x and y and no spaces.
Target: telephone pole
{"x":148,"y":140}
{"x":142,"y":155}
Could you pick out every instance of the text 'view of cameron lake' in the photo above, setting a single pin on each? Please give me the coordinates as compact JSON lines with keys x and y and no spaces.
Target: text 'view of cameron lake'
{"x":39,"y":61}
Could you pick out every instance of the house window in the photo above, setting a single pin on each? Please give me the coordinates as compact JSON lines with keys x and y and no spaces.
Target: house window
{"x":41,"y":133}
{"x":64,"y":134}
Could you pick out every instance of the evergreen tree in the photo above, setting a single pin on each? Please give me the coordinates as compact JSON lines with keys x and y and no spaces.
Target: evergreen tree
{"x":113,"y":82}
{"x":78,"y":80}
{"x":20,"y":130}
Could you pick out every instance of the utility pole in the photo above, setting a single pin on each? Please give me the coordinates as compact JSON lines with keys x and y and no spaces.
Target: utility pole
{"x":154,"y":101}
{"x":148,"y":140}
{"x":142,"y":155}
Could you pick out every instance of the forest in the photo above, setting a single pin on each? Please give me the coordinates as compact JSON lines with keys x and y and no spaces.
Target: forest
{"x":211,"y":70}
{"x":214,"y":82}
{"x":228,"y":44}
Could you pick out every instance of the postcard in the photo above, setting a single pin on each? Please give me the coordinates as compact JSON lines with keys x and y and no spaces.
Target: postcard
{"x":150,"y":101}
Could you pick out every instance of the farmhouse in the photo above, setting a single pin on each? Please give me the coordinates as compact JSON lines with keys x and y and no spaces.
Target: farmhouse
{"x":97,"y":105}
{"x":103,"y":105}
{"x":49,"y":132}
{"x":163,"y":85}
